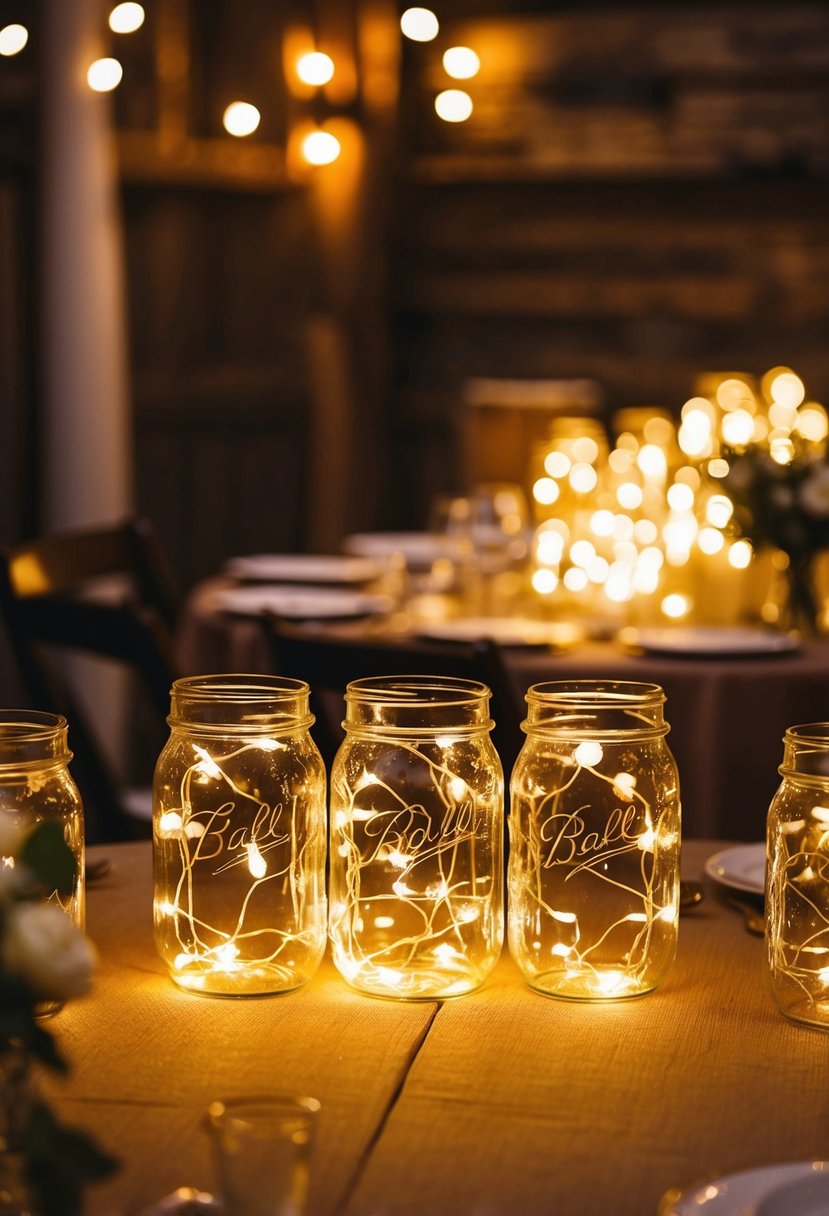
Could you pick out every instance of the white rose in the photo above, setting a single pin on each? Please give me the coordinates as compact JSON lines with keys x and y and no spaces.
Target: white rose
{"x":45,"y":949}
{"x":814,"y":492}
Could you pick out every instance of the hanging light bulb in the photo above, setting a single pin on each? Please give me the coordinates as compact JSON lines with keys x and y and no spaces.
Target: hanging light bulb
{"x":453,"y":105}
{"x":241,"y":118}
{"x":104,"y":75}
{"x":13,"y":38}
{"x":126,"y":18}
{"x":461,"y":63}
{"x":315,"y":68}
{"x":419,"y":24}
{"x":321,"y":147}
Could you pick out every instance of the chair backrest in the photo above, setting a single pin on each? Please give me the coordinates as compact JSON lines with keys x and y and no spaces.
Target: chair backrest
{"x":105,"y":593}
{"x":329,"y":662}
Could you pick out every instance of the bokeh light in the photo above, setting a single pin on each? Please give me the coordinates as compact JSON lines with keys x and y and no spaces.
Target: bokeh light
{"x":321,"y":148}
{"x":316,"y":68}
{"x":13,"y":38}
{"x":241,"y":118}
{"x":104,"y":75}
{"x":126,"y":18}
{"x":453,"y":105}
{"x":419,"y":24}
{"x":461,"y":63}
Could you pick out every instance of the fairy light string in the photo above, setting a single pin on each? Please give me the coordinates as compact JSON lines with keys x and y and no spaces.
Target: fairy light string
{"x":567,"y":936}
{"x":799,"y":947}
{"x":228,"y":829}
{"x":411,"y":919}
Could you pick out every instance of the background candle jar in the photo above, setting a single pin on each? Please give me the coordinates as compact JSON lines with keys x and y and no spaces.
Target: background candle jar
{"x":239,"y":837}
{"x":797,"y":878}
{"x":594,"y":841}
{"x":416,"y":856}
{"x":35,"y":783}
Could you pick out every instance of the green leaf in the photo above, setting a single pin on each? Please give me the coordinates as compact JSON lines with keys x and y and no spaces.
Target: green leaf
{"x":61,"y":1160}
{"x":50,"y":859}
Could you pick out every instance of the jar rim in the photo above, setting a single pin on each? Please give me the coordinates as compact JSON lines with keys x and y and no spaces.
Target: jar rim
{"x":606,"y":694}
{"x":411,"y":690}
{"x":808,"y":732}
{"x":240,"y":704}
{"x":238,"y":687}
{"x":31,"y":725}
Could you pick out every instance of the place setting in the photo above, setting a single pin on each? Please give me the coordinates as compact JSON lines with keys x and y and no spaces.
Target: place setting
{"x":789,"y":1189}
{"x":303,"y":587}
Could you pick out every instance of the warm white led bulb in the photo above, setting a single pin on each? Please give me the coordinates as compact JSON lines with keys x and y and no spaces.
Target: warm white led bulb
{"x":321,"y":148}
{"x":461,"y":62}
{"x":104,"y":75}
{"x":316,"y":68}
{"x":126,"y":18}
{"x":453,"y":105}
{"x":13,"y":38}
{"x":240,"y":118}
{"x":419,"y":24}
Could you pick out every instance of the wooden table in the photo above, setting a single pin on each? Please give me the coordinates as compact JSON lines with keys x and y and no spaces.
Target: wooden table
{"x":500,"y":1103}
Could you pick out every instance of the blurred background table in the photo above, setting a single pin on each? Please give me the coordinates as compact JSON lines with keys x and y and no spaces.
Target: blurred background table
{"x":500,"y":1101}
{"x":727,"y":713}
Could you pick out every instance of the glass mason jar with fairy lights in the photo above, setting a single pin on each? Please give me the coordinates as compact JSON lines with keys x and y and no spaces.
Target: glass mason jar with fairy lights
{"x":593,"y":881}
{"x":797,"y":878}
{"x":416,"y":856}
{"x":239,"y":837}
{"x":36,"y":785}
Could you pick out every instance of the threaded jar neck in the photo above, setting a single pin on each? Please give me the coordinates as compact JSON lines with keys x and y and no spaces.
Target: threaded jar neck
{"x":595,"y":709}
{"x":240,"y":704}
{"x":32,"y":739}
{"x":417,"y":704}
{"x":806,"y":751}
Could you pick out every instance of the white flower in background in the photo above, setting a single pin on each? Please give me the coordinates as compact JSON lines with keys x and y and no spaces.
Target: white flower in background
{"x":44,"y":948}
{"x":814,"y":491}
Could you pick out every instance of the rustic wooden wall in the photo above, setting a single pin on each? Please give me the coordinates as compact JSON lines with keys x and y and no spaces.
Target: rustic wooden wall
{"x":640,"y":195}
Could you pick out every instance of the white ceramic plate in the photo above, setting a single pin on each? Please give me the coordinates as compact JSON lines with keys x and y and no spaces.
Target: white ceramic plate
{"x":507,"y":631}
{"x":301,"y":603}
{"x":302,"y":568}
{"x":711,"y":640}
{"x":743,"y":867}
{"x":798,"y":1189}
{"x":419,"y":549}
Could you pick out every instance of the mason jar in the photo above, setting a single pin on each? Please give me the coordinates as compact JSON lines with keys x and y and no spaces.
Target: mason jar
{"x":797,"y":878}
{"x":239,"y":837}
{"x":593,"y":883}
{"x":35,"y":783}
{"x":416,"y":854}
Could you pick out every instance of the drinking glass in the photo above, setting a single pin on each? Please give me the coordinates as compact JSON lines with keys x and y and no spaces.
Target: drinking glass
{"x":262,"y":1150}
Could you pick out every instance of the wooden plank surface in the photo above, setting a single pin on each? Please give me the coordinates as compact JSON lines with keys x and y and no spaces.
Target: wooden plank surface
{"x":147,"y":1058}
{"x":500,"y":1102}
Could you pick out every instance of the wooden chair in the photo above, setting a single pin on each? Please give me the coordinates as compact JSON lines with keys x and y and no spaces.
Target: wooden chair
{"x":328,"y":663}
{"x":106,"y":593}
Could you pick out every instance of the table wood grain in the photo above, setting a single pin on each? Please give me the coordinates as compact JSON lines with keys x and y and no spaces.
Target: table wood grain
{"x":499,"y":1103}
